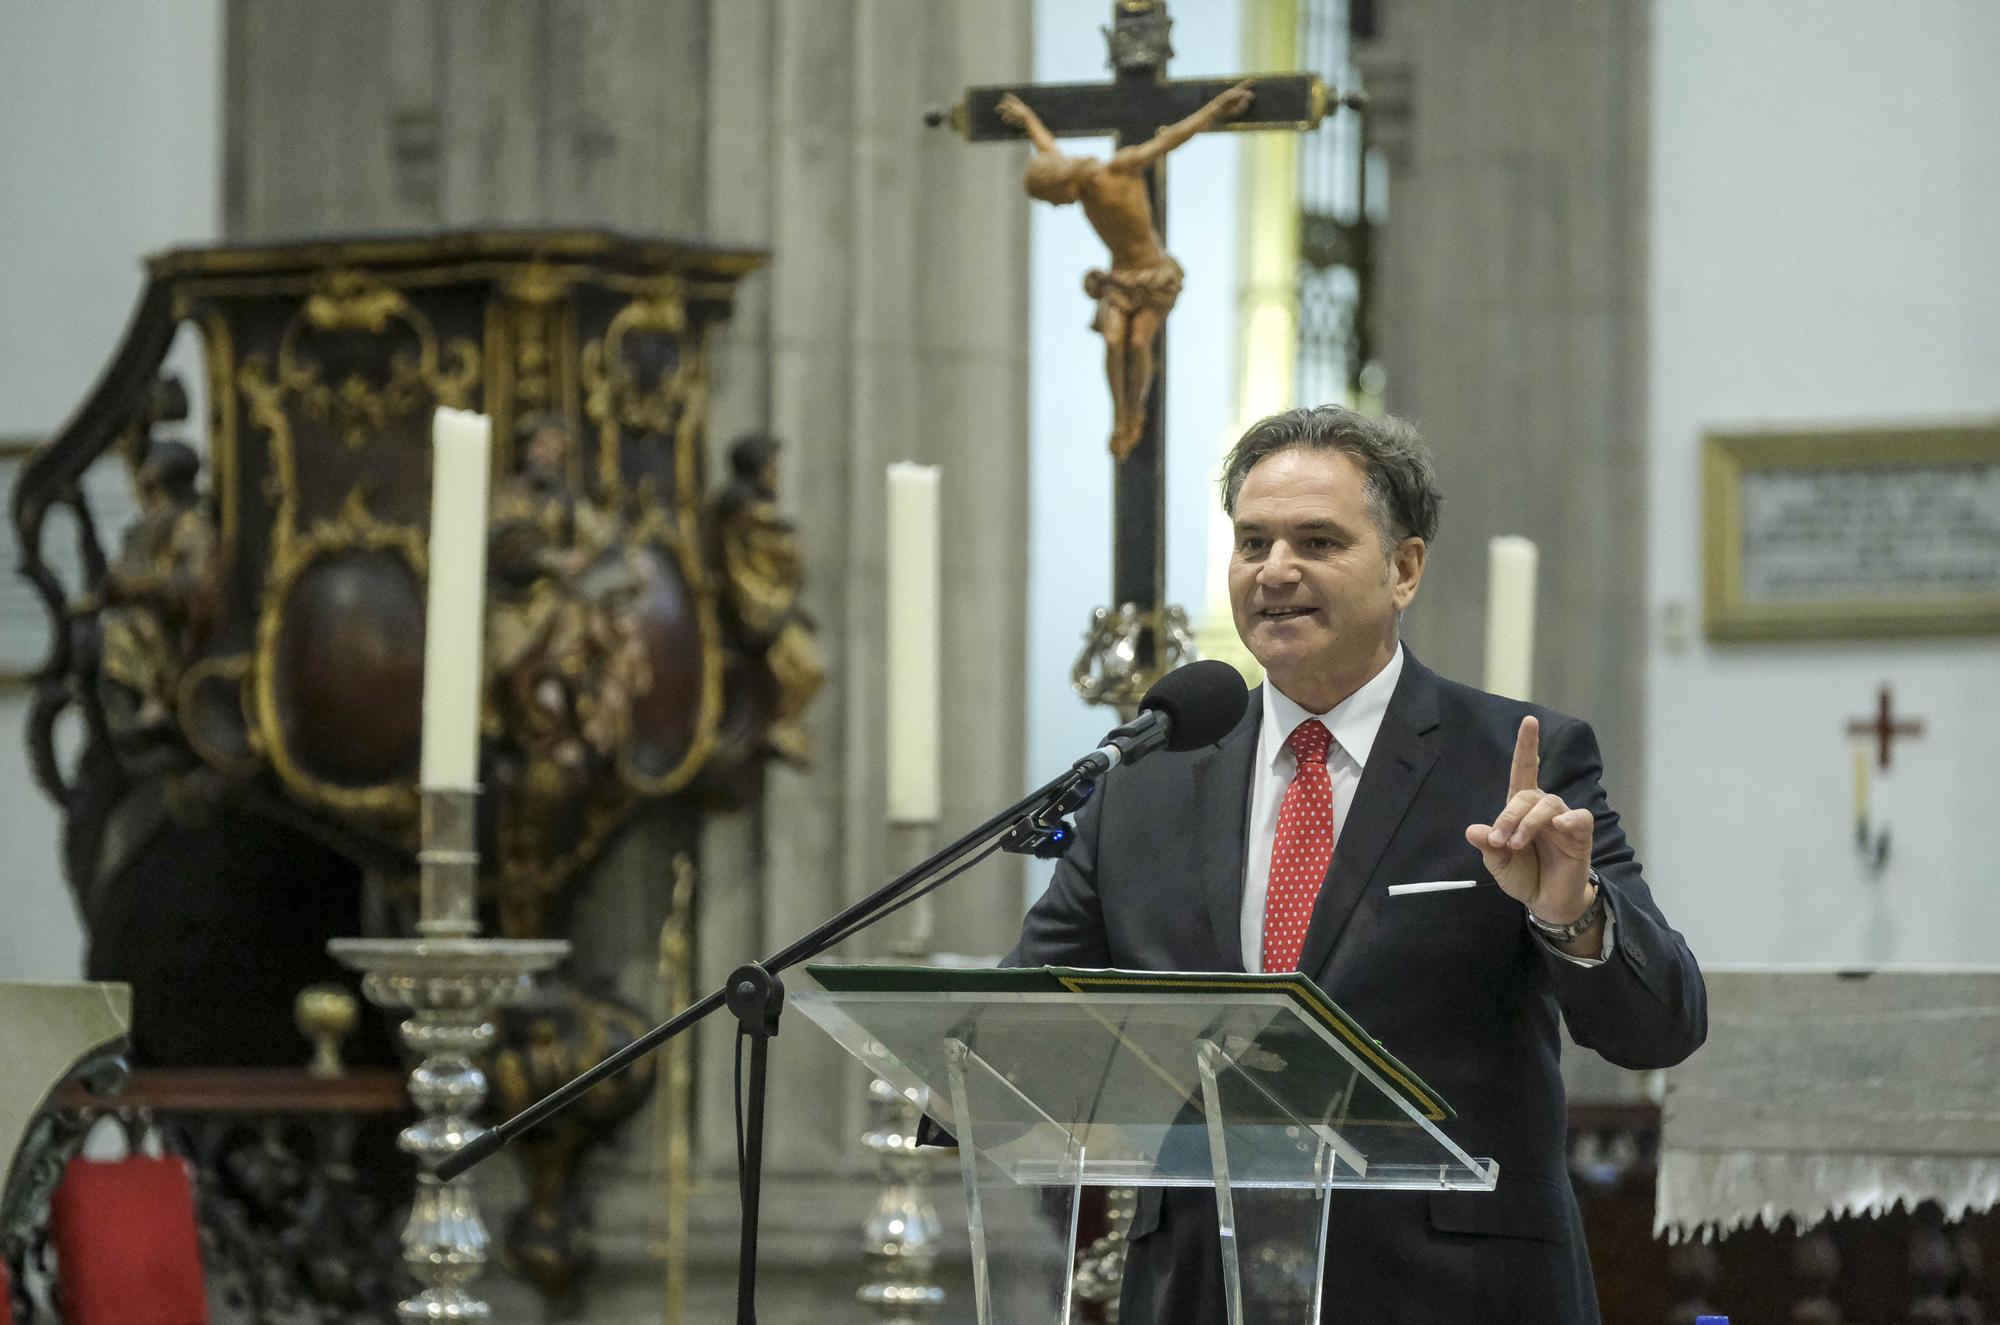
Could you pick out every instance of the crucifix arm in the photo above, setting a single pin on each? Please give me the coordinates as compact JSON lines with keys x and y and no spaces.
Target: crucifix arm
{"x":1227,"y":106}
{"x":1016,"y":112}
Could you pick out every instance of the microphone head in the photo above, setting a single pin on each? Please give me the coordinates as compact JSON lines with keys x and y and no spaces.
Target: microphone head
{"x":1203,"y":701}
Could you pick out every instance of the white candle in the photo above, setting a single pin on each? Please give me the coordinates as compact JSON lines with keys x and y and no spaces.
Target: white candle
{"x":1510,"y":616}
{"x":455,"y":606}
{"x":912,"y":672}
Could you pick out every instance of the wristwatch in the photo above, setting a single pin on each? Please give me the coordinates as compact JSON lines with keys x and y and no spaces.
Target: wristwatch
{"x":1583,"y":924}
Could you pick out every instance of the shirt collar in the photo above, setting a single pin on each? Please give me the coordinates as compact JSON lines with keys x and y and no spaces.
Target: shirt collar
{"x":1353,"y":721}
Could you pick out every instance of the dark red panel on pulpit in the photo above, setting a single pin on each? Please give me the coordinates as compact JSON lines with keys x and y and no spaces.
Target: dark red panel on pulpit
{"x":348,"y":669}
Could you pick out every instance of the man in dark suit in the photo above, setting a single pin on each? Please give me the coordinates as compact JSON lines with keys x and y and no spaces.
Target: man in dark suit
{"x":1354,"y":769}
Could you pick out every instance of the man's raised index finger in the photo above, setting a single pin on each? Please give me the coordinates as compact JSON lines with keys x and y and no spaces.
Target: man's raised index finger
{"x":1526,"y":774}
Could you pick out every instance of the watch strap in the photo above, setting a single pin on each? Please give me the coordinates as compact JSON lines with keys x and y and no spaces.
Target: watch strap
{"x":1583,"y":924}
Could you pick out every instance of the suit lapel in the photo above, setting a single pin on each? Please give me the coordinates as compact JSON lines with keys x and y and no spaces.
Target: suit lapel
{"x":1405,"y":748}
{"x":1222,"y":813}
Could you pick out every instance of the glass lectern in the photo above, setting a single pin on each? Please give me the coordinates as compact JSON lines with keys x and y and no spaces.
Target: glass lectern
{"x":1256,"y":1087}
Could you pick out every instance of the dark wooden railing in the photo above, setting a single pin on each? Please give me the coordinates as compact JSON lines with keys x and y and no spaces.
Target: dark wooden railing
{"x":298,"y":1184}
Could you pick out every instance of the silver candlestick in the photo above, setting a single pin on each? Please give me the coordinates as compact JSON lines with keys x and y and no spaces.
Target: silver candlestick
{"x":1099,"y":1276}
{"x":453,"y":983}
{"x":901,"y":1236}
{"x":903,"y":1231}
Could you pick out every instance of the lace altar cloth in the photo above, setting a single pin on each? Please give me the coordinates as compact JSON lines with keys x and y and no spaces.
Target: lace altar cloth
{"x":1823,"y":1093}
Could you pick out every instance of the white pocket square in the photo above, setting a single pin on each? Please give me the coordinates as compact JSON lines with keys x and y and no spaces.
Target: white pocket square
{"x":1440,"y":886}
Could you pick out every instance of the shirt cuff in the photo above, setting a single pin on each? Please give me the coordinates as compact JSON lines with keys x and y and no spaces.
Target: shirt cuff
{"x":1609,"y":934}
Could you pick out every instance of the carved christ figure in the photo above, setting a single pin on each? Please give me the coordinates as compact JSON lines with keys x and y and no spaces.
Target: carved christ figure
{"x":1136,"y":294}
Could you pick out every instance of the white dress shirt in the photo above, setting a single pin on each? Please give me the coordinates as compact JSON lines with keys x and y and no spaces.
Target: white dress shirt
{"x":1354,"y":721}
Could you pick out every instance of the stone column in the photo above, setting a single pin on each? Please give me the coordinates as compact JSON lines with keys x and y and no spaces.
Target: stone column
{"x":382,"y":116}
{"x":893,"y":326}
{"x":1512,"y":326}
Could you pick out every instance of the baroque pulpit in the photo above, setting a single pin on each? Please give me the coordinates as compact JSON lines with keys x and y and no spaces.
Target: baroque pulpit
{"x":229,"y":713}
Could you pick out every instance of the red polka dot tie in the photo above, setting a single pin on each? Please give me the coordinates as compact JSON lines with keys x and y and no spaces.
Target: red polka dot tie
{"x":1301,"y":850}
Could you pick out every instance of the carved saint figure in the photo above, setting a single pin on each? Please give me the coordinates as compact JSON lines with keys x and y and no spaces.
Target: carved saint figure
{"x":158,"y":592}
{"x":763,"y":570}
{"x":1136,"y":294}
{"x":566,"y":654}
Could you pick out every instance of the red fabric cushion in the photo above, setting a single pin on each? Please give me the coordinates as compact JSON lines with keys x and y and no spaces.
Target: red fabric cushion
{"x":126,"y":1248}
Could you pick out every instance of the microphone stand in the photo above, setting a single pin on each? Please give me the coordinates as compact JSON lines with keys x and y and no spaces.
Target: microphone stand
{"x":755,"y":996}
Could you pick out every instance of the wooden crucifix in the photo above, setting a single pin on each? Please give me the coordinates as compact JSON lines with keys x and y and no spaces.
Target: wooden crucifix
{"x":1147,"y":115}
{"x":1885,"y":727}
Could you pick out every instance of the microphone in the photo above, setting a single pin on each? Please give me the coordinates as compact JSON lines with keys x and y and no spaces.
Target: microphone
{"x":1188,"y":708}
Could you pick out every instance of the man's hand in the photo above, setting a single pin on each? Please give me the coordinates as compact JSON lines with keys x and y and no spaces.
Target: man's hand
{"x":1233,"y":102}
{"x":1539,"y":848}
{"x":1014,"y":111}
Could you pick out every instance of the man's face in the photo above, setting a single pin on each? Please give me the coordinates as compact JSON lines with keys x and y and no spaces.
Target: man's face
{"x":1314,"y":594}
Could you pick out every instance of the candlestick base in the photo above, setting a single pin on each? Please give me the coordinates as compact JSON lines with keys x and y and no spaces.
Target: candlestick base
{"x":903,"y":1234}
{"x":1099,"y":1276}
{"x":452,"y":988}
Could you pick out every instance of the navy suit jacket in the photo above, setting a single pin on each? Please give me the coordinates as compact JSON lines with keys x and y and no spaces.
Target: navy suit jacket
{"x":1452,"y":982}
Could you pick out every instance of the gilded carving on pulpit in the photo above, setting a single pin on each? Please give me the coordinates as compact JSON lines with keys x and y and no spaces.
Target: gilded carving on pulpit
{"x":158,"y":595}
{"x":762,"y":570}
{"x":405,"y":369}
{"x":565,"y":1031}
{"x":1143,"y":282}
{"x":567,"y":656}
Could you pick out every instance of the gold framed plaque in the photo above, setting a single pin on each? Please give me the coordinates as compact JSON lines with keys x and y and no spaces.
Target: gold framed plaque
{"x":1851,"y":534}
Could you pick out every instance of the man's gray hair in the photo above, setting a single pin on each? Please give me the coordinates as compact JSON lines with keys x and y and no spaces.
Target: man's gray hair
{"x":1403,"y":494}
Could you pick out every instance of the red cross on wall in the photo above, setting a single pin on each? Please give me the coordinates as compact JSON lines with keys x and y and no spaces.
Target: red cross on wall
{"x":1884,"y":727}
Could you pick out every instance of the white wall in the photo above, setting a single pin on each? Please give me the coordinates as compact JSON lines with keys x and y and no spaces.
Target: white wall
{"x":111,"y":150}
{"x":1070,"y":408}
{"x":1825,"y":250}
